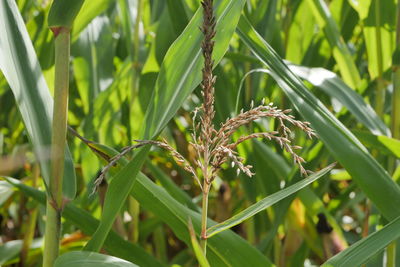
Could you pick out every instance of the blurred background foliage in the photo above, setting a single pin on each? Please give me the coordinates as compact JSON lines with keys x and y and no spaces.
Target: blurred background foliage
{"x":341,"y":49}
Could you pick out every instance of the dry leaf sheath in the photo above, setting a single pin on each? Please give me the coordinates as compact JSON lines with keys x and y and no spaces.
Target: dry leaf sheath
{"x":216,"y":147}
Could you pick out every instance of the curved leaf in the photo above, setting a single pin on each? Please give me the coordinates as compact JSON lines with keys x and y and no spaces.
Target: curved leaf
{"x":332,"y":85}
{"x":361,"y":251}
{"x":179,"y":75}
{"x":344,"y":146}
{"x":21,"y":68}
{"x":201,"y":257}
{"x":181,"y":69}
{"x":225,"y":249}
{"x":90,"y":259}
{"x":114,"y":244}
{"x":89,"y":10}
{"x":265,"y":203}
{"x":341,"y":53}
{"x":63,"y":12}
{"x":385,"y":145}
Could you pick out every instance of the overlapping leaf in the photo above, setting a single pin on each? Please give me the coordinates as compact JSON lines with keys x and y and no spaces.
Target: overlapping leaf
{"x":343,"y":145}
{"x":21,"y":68}
{"x":179,"y":75}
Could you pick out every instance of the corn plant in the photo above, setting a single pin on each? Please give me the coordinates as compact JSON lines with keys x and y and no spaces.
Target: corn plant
{"x":129,"y":131}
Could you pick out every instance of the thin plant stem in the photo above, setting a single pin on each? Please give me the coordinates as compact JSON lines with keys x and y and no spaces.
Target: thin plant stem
{"x":59,"y":132}
{"x":214,"y":147}
{"x":134,"y":211}
{"x":204,"y":212}
{"x":207,"y":126}
{"x":380,"y":90}
{"x":391,"y":255}
{"x":395,"y":123}
{"x":134,"y":207}
{"x":30,"y":231}
{"x":396,"y":82}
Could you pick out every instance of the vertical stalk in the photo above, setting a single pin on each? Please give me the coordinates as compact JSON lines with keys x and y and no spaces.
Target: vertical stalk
{"x":207,"y":126}
{"x":204,"y":212}
{"x":160,"y":244}
{"x":134,"y":207}
{"x":380,"y":88}
{"x":391,"y":255}
{"x":134,"y":211}
{"x":396,"y":81}
{"x":59,"y":132}
{"x":30,"y":230}
{"x":395,"y":123}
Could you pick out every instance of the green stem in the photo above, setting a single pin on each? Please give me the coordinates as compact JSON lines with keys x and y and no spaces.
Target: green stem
{"x":396,"y":104}
{"x":391,"y":255}
{"x":160,"y":244}
{"x":59,"y":132}
{"x":204,"y":211}
{"x":30,"y":231}
{"x":396,"y":82}
{"x":134,"y":211}
{"x":380,"y":89}
{"x":51,"y":235}
{"x":395,"y":123}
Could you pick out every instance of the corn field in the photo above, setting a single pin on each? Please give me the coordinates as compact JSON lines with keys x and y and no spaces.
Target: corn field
{"x":199,"y":133}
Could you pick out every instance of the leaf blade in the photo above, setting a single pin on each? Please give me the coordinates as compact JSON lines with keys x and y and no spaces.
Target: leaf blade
{"x":265,"y":203}
{"x":22,"y":70}
{"x":90,"y":259}
{"x":343,"y":145}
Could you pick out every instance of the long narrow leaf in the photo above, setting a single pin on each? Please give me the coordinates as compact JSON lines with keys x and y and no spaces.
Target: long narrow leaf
{"x":21,"y":68}
{"x":89,"y":10}
{"x":90,"y":259}
{"x":265,"y":203}
{"x":332,"y":85}
{"x":63,"y":12}
{"x":175,"y":214}
{"x":197,"y":248}
{"x":344,"y":146}
{"x":180,"y":73}
{"x":114,"y":244}
{"x":341,"y":53}
{"x":226,"y":249}
{"x":360,"y":252}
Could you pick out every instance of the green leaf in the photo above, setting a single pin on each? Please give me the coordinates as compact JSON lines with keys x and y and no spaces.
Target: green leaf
{"x":181,"y":69}
{"x":90,"y":259}
{"x":21,"y":68}
{"x":341,"y":53}
{"x":361,"y":251}
{"x":332,"y":85}
{"x":9,"y":250}
{"x":386,"y":145}
{"x":343,"y":145}
{"x":265,"y":203}
{"x":89,"y":10}
{"x":379,"y":24}
{"x":177,"y":13}
{"x":196,"y":247}
{"x":5,"y":192}
{"x":180,"y":73}
{"x":225,"y":249}
{"x":114,"y":244}
{"x":172,"y":188}
{"x":314,"y":205}
{"x":117,"y":192}
{"x":63,"y":12}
